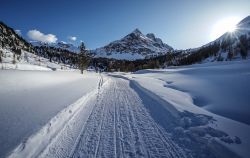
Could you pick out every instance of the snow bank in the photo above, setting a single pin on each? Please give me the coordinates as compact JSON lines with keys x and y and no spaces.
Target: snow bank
{"x":35,"y":144}
{"x":221,"y":88}
{"x":67,"y":122}
{"x":7,"y":66}
{"x":183,"y":102}
{"x":29,"y":99}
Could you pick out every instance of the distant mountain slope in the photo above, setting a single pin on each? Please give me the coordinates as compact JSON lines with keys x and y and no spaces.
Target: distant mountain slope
{"x":134,"y":46}
{"x":230,"y":46}
{"x":242,"y":29}
{"x":59,"y":45}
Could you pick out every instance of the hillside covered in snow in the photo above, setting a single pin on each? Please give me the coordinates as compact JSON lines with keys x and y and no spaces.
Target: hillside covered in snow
{"x":28,"y":61}
{"x":230,"y":46}
{"x":17,"y":53}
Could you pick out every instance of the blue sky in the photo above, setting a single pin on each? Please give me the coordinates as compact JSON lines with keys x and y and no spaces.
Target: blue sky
{"x":179,"y":23}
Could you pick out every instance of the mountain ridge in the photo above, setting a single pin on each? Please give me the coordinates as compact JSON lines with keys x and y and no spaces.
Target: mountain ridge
{"x":61,"y":45}
{"x":134,"y":46}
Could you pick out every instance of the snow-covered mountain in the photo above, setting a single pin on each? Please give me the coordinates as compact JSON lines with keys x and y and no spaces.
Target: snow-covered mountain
{"x":134,"y":46}
{"x":61,"y":45}
{"x":245,"y":22}
{"x":244,"y":26}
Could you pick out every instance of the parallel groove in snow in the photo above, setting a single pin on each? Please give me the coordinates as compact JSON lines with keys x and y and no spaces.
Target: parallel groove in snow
{"x":122,"y":127}
{"x":62,"y":144}
{"x":115,"y":123}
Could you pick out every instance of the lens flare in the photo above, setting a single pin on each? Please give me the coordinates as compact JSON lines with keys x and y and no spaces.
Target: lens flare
{"x":225,"y":25}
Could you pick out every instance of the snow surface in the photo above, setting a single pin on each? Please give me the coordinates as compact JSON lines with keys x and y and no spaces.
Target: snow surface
{"x":150,"y":113}
{"x":221,"y":88}
{"x":29,"y":99}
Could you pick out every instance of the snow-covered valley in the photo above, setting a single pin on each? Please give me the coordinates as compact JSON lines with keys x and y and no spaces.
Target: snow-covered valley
{"x":193,"y":111}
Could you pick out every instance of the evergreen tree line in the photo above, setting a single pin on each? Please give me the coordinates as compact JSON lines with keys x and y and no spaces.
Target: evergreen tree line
{"x":199,"y":55}
{"x":130,"y":66}
{"x":58,"y":55}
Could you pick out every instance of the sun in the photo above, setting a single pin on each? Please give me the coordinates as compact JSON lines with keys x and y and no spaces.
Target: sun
{"x":231,"y":28}
{"x":225,"y":25}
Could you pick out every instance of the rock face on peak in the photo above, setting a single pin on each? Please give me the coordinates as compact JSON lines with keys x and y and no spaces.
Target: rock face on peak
{"x":151,"y":36}
{"x":137,"y":31}
{"x":134,"y":46}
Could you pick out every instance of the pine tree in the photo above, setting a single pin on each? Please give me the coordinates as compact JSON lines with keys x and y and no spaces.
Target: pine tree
{"x":1,"y":54}
{"x":83,"y":57}
{"x":14,"y":59}
{"x":243,"y":46}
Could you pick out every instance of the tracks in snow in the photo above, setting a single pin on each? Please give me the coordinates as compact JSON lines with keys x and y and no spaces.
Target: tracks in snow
{"x":120,"y":126}
{"x":113,"y":123}
{"x":65,"y":142}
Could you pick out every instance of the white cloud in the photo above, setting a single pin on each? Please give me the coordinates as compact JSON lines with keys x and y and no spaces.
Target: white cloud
{"x":18,"y":32}
{"x":72,"y":38}
{"x":39,"y":36}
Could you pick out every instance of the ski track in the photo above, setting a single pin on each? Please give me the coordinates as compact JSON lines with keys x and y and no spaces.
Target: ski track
{"x":117,"y":125}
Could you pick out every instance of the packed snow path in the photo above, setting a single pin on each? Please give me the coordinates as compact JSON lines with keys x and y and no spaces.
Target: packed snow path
{"x":118,"y":125}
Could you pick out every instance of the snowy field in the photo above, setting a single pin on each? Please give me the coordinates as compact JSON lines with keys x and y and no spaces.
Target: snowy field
{"x":29,"y":99}
{"x":192,"y":111}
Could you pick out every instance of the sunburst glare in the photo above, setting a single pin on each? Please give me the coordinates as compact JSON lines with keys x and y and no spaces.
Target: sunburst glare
{"x":225,"y":25}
